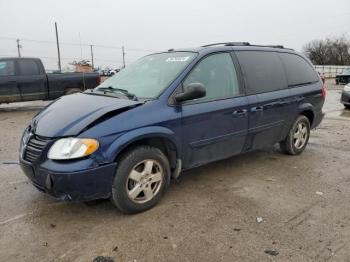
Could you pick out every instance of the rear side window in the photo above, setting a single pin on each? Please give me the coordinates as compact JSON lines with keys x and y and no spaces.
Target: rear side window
{"x":7,"y":68}
{"x":298,"y":70}
{"x":28,"y":67}
{"x":218,"y":75}
{"x":263,"y":71}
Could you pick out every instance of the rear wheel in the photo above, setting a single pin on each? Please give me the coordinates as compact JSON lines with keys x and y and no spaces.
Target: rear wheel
{"x":141,"y":179}
{"x":347,"y":106}
{"x":298,"y":137}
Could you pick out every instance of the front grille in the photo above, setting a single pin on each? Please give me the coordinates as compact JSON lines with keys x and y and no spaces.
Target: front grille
{"x":34,"y":148}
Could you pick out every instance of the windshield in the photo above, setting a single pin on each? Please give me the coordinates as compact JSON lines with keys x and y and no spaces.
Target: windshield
{"x":150,"y":75}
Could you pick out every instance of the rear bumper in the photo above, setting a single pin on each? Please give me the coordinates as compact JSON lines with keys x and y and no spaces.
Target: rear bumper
{"x":85,"y":185}
{"x":317,"y":120}
{"x":345,"y":98}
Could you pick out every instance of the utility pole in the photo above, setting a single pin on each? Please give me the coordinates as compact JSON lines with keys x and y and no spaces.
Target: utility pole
{"x":123,"y":56}
{"x":18,"y":48}
{"x":58,"y":49}
{"x":92,"y":57}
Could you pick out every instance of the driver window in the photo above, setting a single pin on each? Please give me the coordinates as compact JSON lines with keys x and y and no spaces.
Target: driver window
{"x":217,"y":74}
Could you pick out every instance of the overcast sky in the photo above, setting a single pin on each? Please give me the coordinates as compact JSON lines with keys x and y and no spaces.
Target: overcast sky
{"x":160,"y":24}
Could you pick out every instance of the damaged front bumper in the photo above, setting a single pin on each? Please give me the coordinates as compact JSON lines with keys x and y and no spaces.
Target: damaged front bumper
{"x":83,"y":185}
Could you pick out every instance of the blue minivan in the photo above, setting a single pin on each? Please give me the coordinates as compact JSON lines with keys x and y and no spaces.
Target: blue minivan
{"x":170,"y":112}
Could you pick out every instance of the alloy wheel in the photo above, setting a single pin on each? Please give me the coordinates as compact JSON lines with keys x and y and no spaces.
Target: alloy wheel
{"x":300,"y":135}
{"x":144,"y":181}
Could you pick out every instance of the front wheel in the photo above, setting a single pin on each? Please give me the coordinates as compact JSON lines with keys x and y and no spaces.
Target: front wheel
{"x":298,"y":137}
{"x":141,"y":179}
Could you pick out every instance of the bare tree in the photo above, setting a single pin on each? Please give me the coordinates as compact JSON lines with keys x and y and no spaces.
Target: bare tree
{"x":331,"y":51}
{"x":316,"y":51}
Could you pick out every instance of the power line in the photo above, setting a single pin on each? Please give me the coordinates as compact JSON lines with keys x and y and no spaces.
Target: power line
{"x":58,"y":44}
{"x":76,"y":44}
{"x":67,"y":58}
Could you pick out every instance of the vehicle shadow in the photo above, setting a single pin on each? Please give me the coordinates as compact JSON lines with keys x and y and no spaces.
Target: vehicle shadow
{"x":345,"y":113}
{"x":23,"y":106}
{"x":233,"y":168}
{"x":211,"y":188}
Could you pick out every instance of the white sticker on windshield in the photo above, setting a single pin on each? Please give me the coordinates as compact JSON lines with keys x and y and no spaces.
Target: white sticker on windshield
{"x":177,"y":59}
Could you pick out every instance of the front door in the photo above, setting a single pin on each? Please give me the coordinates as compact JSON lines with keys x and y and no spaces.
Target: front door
{"x":214,"y":127}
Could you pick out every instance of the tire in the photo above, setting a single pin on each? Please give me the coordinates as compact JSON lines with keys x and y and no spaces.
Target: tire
{"x":290,"y":145}
{"x":70,"y":91}
{"x":347,"y":106}
{"x":132,"y":185}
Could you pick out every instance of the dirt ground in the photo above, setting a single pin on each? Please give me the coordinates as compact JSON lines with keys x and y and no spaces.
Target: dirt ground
{"x":210,"y":215}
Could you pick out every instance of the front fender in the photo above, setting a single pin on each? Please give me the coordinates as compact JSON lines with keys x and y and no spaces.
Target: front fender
{"x":145,"y":132}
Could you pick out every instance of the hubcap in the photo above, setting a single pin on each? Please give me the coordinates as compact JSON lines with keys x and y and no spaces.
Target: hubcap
{"x":144,"y":181}
{"x":300,"y":135}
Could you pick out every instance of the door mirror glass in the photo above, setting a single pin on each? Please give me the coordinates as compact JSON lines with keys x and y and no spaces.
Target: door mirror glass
{"x":192,"y":91}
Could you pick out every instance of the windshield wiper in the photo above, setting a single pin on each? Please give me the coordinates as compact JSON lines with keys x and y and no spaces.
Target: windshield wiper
{"x":123,"y":91}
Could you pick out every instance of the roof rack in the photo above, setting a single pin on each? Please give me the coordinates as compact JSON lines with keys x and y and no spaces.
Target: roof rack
{"x":244,"y":44}
{"x":227,"y":44}
{"x":272,"y":46}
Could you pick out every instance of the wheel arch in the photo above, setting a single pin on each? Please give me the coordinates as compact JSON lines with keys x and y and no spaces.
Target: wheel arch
{"x":159,"y":137}
{"x":307,"y":110}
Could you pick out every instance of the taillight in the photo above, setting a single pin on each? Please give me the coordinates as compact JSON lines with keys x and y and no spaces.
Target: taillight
{"x":324,"y":90}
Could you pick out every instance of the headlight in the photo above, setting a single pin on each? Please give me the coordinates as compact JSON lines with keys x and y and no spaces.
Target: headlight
{"x":347,"y":88}
{"x":71,"y":148}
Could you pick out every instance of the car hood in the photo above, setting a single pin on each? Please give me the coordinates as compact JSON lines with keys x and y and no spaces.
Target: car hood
{"x":70,"y":115}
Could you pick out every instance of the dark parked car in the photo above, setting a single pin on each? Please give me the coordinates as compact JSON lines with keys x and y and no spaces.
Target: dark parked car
{"x":25,"y":79}
{"x":345,"y":96}
{"x":343,"y":78}
{"x":170,"y":112}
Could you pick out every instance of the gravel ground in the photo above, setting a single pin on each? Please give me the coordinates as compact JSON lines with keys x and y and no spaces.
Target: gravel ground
{"x":301,"y":202}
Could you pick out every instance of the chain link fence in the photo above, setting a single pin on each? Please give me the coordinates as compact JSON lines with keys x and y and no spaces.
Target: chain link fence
{"x":330,"y":71}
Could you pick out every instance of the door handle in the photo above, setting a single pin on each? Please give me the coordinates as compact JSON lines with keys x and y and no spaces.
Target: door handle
{"x":240,"y":112}
{"x":257,"y":109}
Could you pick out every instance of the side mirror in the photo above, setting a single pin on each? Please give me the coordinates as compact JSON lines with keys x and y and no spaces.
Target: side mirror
{"x":192,"y":91}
